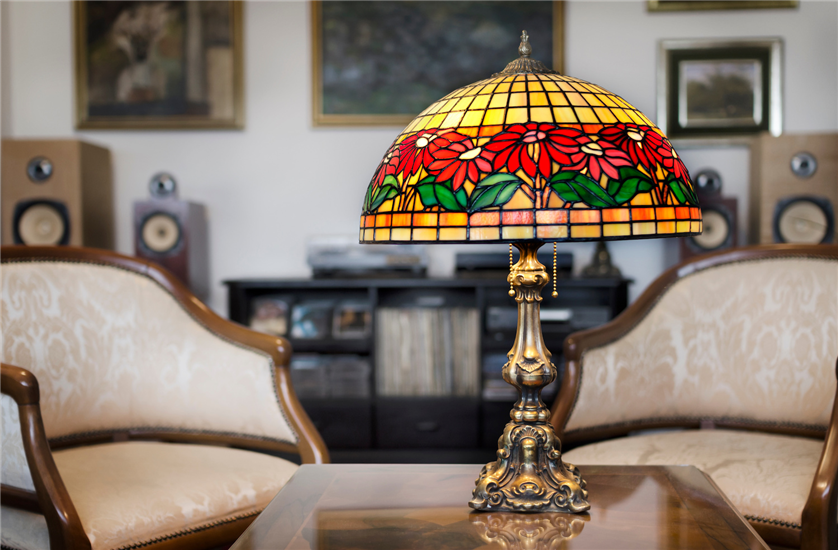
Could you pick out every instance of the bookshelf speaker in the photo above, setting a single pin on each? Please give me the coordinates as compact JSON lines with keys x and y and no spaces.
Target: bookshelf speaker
{"x":794,"y":188}
{"x":718,"y":214}
{"x":173,"y":233}
{"x":56,"y":192}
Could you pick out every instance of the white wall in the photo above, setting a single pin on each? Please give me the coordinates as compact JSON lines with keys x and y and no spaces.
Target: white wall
{"x":280,"y":181}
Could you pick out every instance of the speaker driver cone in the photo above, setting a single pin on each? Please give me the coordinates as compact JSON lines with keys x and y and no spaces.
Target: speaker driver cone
{"x":160,"y":233}
{"x":42,"y":224}
{"x":803,"y":221}
{"x":716,"y":230}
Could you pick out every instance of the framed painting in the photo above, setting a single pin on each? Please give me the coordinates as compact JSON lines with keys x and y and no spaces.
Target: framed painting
{"x":695,"y":5}
{"x":720,"y":88}
{"x":158,"y":65}
{"x":383,"y":62}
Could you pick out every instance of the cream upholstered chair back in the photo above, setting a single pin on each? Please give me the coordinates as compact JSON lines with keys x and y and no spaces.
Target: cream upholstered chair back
{"x":115,"y":350}
{"x":742,"y":337}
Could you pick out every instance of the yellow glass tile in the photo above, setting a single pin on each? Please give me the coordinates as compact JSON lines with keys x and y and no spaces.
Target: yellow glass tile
{"x":519,"y":201}
{"x":564,"y":114}
{"x":576,"y":99}
{"x":541,"y":114}
{"x":518,"y":100}
{"x":623,"y":102}
{"x":484,"y":234}
{"x":592,"y":100}
{"x":466,"y":131}
{"x":566,"y":87}
{"x":646,"y":119}
{"x":472,"y":118}
{"x":519,"y":87}
{"x":621,"y":115}
{"x":644,"y":228}
{"x":413,"y":124}
{"x":424,"y":234}
{"x":695,"y":227}
{"x":494,"y":116}
{"x":448,"y":105}
{"x":480,"y":102}
{"x":382,"y":234}
{"x":538,"y":99}
{"x":487,"y":89}
{"x":453,"y":218}
{"x":461,"y":92}
{"x":585,"y":114}
{"x":606,"y":100}
{"x":585,"y":232}
{"x":557,"y":98}
{"x":535,"y":86}
{"x":518,"y":232}
{"x":400,"y":234}
{"x":605,"y":114}
{"x":516,"y":115}
{"x":452,"y":234}
{"x":498,"y":100}
{"x":502,"y":88}
{"x":551,"y":86}
{"x":361,"y":235}
{"x":509,"y":79}
{"x":369,"y":234}
{"x":682,"y":227}
{"x":666,"y":227}
{"x":579,"y":86}
{"x":634,"y":116}
{"x":436,"y":121}
{"x":420,"y":220}
{"x":616,"y":230}
{"x":463,"y":104}
{"x":551,"y":232}
{"x":550,"y":217}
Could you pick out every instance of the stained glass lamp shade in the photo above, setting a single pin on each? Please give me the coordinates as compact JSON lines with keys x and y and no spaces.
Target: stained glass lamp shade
{"x":529,"y":156}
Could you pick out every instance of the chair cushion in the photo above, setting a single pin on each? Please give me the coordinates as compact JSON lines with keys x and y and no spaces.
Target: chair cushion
{"x":135,"y":492}
{"x":767,"y":477}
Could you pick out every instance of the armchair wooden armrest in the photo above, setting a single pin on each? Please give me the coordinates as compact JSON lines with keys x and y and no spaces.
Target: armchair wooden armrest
{"x":51,"y":497}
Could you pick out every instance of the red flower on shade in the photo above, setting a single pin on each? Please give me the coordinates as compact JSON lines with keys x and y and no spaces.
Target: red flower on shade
{"x":600,"y":157}
{"x":643,"y":145}
{"x":534,"y":147}
{"x":675,"y":165}
{"x":388,"y":166}
{"x":416,"y":151}
{"x":458,"y":159}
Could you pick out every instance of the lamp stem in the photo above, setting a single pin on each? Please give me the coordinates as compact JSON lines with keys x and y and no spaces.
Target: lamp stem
{"x":529,"y":475}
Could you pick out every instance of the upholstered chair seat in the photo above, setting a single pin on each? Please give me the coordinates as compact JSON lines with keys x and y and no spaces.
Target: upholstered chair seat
{"x":743,"y":344}
{"x":132,"y":415}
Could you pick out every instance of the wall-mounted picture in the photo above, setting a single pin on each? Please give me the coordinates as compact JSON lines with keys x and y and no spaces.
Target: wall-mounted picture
{"x":690,"y":5}
{"x":383,"y":62}
{"x":174,"y":64}
{"x":719,"y":89}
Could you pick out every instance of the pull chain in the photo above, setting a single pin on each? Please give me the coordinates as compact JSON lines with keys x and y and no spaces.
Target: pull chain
{"x":555,"y":293}
{"x":511,"y":290}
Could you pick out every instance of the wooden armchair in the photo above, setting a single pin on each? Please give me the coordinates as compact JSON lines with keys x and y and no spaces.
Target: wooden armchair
{"x":129,"y":406}
{"x":743,"y":341}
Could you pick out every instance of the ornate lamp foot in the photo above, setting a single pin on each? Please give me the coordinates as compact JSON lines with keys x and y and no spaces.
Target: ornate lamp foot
{"x":529,"y":475}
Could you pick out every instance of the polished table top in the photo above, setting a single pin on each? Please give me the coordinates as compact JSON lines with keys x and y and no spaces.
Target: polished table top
{"x":424,"y":507}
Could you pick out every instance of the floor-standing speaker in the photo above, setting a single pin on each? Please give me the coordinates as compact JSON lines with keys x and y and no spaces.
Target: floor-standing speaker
{"x":718,"y":215}
{"x":794,"y":188}
{"x":56,"y":192}
{"x":173,"y":233}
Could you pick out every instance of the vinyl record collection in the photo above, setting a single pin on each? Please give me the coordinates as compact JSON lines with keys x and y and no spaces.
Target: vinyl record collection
{"x":427,"y":351}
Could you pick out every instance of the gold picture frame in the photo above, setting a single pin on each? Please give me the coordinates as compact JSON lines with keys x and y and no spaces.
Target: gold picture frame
{"x":322,"y":118}
{"x":696,"y":5}
{"x":116,"y":88}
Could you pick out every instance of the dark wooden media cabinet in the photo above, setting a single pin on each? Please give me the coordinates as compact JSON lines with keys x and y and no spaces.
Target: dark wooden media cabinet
{"x":426,"y":429}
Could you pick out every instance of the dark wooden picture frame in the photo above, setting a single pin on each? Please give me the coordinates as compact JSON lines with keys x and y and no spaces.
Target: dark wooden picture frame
{"x":382,"y":63}
{"x":159,"y":65}
{"x":712,"y":88}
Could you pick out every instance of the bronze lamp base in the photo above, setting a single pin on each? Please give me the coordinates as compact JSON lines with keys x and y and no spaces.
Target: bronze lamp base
{"x":529,"y":475}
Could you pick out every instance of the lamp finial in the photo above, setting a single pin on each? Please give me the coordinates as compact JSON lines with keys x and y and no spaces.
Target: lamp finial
{"x":525,"y":49}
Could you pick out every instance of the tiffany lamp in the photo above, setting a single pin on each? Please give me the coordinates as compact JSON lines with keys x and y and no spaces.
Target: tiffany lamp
{"x":525,"y":157}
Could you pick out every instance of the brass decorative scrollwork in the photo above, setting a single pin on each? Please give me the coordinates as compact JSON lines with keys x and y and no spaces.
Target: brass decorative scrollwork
{"x":530,"y":532}
{"x":529,"y":475}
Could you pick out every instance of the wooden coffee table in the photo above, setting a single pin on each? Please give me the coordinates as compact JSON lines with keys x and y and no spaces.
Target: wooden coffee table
{"x":424,"y":507}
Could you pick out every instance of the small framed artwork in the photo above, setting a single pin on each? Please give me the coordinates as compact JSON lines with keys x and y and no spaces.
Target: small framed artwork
{"x":695,"y":5}
{"x":383,"y":62}
{"x":153,"y":65}
{"x":720,"y":88}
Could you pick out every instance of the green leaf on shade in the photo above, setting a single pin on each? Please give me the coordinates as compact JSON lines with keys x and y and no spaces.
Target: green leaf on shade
{"x":426,"y":193}
{"x":383,"y":193}
{"x":445,"y":197}
{"x":632,"y":181}
{"x":495,"y":179}
{"x":495,"y":195}
{"x":441,"y":194}
{"x":462,"y":198}
{"x":683,"y":193}
{"x":368,"y":199}
{"x":576,"y":187}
